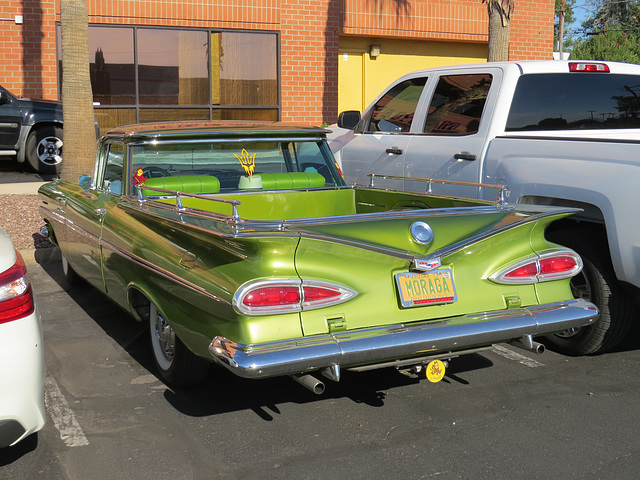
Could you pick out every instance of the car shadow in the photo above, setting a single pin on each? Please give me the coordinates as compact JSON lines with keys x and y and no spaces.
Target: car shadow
{"x":9,"y":455}
{"x":223,"y":391}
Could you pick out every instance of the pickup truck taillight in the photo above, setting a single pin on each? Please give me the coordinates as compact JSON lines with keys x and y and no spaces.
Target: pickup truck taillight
{"x":588,"y":67}
{"x":552,"y":265}
{"x":16,"y":296}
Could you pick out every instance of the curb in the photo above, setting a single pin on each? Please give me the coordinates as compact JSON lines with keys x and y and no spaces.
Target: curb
{"x":25,"y":188}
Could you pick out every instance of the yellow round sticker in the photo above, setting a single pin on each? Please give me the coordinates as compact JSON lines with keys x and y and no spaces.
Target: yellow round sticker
{"x":435,"y":371}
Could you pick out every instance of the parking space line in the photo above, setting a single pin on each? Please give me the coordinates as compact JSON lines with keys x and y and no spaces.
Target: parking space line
{"x":63,"y":417}
{"x":511,"y":355}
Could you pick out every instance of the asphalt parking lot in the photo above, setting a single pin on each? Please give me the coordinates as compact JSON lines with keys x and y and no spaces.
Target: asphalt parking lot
{"x":503,"y":413}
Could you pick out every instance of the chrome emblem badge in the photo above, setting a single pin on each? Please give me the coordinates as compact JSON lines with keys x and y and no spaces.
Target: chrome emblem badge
{"x":424,"y":264}
{"x":421,"y":232}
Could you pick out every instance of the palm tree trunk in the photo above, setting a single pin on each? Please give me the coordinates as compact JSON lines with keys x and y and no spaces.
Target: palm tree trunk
{"x":77,"y":98}
{"x":500,"y":12}
{"x":498,"y":38}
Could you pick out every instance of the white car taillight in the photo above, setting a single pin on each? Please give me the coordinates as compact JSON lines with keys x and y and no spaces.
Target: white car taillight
{"x":266,"y":297}
{"x":16,"y":297}
{"x":552,"y":265}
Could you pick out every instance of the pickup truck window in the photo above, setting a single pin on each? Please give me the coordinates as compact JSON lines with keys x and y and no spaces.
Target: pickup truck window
{"x":394,"y":112}
{"x":457,"y":104}
{"x":572,"y":101}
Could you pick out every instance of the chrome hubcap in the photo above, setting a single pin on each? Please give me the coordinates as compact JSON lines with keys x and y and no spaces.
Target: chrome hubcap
{"x":165,"y":337}
{"x":49,"y":150}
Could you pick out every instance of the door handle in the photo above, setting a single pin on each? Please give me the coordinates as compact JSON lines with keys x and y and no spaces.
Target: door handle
{"x":394,"y":151}
{"x":464,"y":156}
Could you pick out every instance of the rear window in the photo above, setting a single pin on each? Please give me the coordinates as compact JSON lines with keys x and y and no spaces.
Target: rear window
{"x":574,"y":101}
{"x":230,"y":161}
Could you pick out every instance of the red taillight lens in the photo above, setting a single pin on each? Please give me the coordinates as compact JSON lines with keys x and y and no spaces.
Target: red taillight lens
{"x":530,"y":270}
{"x":552,"y":265}
{"x":319,"y":294}
{"x":272,"y":296}
{"x":557,"y":265}
{"x":266,"y":297}
{"x":588,"y":67}
{"x":16,"y":297}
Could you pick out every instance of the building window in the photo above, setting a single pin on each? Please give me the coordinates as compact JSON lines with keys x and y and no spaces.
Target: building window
{"x":141,"y":74}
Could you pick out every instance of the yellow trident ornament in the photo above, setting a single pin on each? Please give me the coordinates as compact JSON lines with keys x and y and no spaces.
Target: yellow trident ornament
{"x":247,"y":161}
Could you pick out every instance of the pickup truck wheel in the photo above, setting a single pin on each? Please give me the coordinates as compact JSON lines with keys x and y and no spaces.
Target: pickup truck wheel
{"x":44,"y":149}
{"x":175,"y":362}
{"x":596,"y":283}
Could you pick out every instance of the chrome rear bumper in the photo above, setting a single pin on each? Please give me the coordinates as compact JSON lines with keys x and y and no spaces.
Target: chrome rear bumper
{"x":382,"y":344}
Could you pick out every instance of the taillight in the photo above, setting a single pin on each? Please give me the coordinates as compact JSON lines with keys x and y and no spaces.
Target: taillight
{"x":588,"y":67}
{"x":551,"y":265}
{"x":16,"y":297}
{"x":265,"y":297}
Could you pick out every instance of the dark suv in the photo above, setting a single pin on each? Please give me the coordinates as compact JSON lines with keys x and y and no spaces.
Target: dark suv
{"x":32,"y":131}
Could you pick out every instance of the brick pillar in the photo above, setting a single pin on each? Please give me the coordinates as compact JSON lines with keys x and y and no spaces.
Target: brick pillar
{"x":309,"y":56}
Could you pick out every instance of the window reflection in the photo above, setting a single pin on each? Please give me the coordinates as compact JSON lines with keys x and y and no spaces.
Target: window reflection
{"x":552,"y":102}
{"x":194,"y":74}
{"x":172,"y":67}
{"x":112,"y":65}
{"x":244,"y":69}
{"x":394,"y":112}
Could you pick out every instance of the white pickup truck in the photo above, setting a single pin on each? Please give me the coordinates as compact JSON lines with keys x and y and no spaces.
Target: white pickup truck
{"x":563,"y":133}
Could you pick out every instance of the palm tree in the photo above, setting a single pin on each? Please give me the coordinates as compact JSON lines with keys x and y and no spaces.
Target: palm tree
{"x":500,"y":12}
{"x":77,"y":98}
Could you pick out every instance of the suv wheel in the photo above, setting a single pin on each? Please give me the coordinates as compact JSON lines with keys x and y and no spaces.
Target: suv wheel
{"x":44,"y":149}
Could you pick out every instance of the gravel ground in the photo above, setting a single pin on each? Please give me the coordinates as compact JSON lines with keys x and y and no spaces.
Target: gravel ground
{"x":19,"y":217}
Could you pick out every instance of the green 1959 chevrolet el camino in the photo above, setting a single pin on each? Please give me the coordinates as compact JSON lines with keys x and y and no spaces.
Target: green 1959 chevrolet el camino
{"x":241,"y":244}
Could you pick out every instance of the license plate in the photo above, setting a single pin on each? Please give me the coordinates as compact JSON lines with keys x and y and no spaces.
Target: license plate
{"x":429,"y":288}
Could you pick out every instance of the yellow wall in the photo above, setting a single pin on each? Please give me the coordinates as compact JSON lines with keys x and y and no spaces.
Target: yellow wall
{"x":362,"y":78}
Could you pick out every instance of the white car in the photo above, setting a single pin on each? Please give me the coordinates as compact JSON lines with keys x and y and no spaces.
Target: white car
{"x":21,"y":354}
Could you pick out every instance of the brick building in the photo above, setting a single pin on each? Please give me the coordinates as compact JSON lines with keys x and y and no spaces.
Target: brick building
{"x":299,"y":60}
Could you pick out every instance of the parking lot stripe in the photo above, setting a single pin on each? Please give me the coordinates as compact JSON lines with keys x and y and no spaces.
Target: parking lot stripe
{"x":511,"y":355}
{"x":63,"y":417}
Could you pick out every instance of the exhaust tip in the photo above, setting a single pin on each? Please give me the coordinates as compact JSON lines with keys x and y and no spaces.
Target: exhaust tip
{"x":310,"y":383}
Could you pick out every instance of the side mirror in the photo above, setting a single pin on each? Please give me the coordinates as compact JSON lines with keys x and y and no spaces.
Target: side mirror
{"x":348,"y":119}
{"x":85,"y":183}
{"x":4,"y":98}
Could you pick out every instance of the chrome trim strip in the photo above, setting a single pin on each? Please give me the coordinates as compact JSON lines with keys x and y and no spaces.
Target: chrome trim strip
{"x":384,"y":344}
{"x":503,"y":190}
{"x":133,"y":258}
{"x":160,"y":271}
{"x":203,"y":136}
{"x":253,"y":228}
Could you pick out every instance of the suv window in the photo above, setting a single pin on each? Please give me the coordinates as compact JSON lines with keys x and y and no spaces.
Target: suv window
{"x":457,"y":104}
{"x":394,"y":112}
{"x":572,"y":101}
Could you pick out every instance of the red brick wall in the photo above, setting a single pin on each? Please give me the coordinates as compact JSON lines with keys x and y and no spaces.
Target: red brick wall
{"x":532,"y":30}
{"x":309,"y":33}
{"x":464,"y":20}
{"x":28,"y":51}
{"x":309,"y":56}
